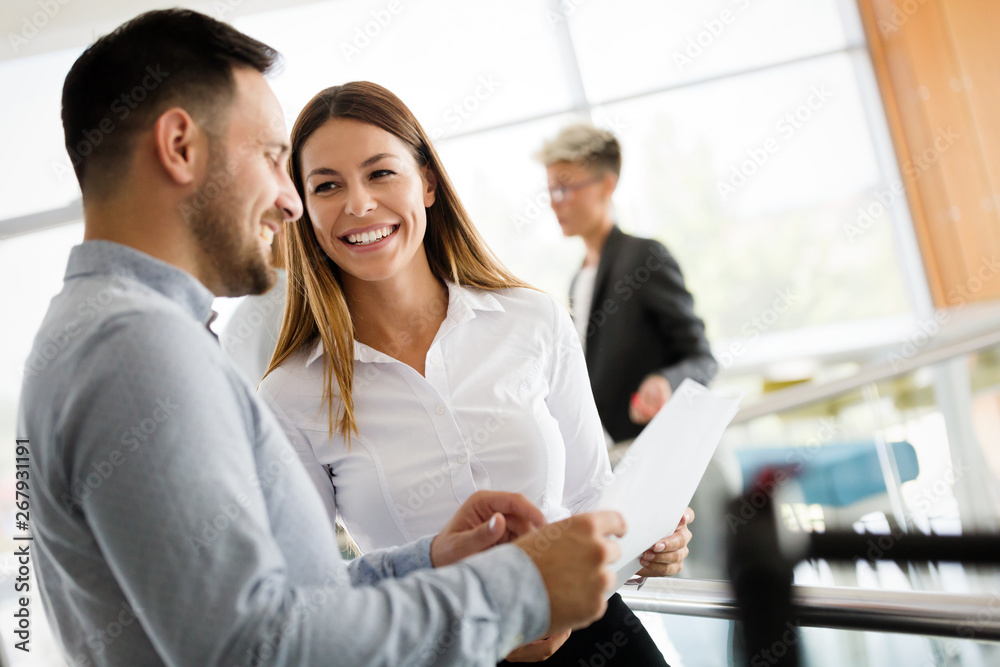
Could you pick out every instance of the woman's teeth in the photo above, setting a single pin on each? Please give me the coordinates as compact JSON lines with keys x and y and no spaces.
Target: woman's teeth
{"x":366,"y":238}
{"x":267,"y":234}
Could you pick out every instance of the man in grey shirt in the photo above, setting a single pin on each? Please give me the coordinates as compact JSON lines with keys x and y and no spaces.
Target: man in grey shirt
{"x":173,"y":523}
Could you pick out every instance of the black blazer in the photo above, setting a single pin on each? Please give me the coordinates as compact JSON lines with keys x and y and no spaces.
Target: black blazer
{"x":642,"y":321}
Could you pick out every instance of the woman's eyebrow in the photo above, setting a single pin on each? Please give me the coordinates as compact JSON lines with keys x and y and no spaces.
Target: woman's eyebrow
{"x":327,"y":171}
{"x":375,"y":158}
{"x":323,"y":171}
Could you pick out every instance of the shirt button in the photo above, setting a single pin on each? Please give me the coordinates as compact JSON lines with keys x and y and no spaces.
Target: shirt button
{"x":439,"y":409}
{"x":435,"y":360}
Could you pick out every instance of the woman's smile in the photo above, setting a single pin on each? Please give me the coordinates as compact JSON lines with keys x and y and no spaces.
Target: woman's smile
{"x":369,"y":238}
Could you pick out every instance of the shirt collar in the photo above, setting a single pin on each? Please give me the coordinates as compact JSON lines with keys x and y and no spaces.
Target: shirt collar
{"x":463,"y":302}
{"x":126,"y":264}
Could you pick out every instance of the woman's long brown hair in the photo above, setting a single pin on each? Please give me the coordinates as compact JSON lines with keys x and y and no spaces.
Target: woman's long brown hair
{"x":316,"y":306}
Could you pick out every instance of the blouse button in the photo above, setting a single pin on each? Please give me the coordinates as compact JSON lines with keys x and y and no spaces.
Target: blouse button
{"x":435,"y":360}
{"x":439,"y":409}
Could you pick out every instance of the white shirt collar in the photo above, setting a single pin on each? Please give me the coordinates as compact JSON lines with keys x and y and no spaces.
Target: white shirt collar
{"x":463,"y":302}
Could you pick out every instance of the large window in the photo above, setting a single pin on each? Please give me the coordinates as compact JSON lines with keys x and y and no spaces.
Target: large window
{"x":747,"y":148}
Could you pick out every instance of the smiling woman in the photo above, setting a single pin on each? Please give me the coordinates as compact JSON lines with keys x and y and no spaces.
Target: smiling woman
{"x":413,"y":317}
{"x":384,"y":170}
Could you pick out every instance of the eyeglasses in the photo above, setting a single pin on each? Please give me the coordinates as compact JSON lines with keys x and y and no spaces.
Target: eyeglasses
{"x":562,"y":192}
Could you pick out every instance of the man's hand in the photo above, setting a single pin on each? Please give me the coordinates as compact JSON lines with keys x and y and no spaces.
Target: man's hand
{"x":486,"y":519}
{"x":666,"y":557}
{"x":539,"y":650}
{"x":571,"y":556}
{"x":653,"y":393}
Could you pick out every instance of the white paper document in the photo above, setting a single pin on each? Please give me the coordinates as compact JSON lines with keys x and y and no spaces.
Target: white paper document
{"x":656,"y":479}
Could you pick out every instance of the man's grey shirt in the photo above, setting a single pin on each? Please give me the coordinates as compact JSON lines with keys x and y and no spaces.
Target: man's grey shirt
{"x":174,"y":524}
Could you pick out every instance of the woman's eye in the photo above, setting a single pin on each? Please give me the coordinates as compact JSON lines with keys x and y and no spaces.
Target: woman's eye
{"x":382,"y":172}
{"x":324,"y":187}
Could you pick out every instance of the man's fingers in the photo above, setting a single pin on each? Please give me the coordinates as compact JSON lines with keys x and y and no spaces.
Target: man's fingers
{"x":612,"y":552}
{"x":514,"y":505}
{"x":688,"y":517}
{"x":609,"y":522}
{"x":518,"y":525}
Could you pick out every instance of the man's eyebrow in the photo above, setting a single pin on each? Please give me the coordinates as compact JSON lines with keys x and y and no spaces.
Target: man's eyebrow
{"x":327,"y":171}
{"x":280,"y":145}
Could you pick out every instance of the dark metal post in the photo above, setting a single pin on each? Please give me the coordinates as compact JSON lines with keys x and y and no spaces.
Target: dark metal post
{"x":762,"y":579}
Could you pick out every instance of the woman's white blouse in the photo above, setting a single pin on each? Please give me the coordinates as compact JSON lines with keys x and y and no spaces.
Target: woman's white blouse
{"x":505,"y":404}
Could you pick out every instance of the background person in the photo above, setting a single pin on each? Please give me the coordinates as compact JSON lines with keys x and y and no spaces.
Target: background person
{"x":633,"y":313}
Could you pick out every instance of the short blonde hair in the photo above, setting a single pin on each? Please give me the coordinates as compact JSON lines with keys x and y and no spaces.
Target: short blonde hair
{"x":585,"y":145}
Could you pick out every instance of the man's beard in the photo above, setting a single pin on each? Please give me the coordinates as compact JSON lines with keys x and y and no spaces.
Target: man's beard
{"x":239,"y":264}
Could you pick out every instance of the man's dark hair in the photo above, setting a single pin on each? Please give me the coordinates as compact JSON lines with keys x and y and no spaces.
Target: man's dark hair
{"x":126,"y":79}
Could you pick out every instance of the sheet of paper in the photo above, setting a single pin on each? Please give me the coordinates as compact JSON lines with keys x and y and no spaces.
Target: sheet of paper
{"x":657,"y":477}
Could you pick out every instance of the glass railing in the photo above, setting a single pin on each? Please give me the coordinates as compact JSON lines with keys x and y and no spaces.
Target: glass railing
{"x":904,"y":444}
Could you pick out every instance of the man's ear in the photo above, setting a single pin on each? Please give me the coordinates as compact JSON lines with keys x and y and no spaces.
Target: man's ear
{"x":430,"y":186}
{"x":181,"y":145}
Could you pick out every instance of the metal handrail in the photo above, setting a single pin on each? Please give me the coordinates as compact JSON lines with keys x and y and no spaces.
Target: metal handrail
{"x":803,"y":395}
{"x":912,"y":612}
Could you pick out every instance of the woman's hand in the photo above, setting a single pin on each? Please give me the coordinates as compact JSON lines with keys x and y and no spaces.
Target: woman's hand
{"x":652,"y":395}
{"x":666,"y":557}
{"x":538,"y":650}
{"x":486,"y":519}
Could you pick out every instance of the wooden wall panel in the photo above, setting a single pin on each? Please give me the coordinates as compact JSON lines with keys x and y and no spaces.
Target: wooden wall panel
{"x":936,"y":64}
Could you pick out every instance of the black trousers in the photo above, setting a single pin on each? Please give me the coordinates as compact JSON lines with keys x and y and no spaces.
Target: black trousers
{"x":617,"y":638}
